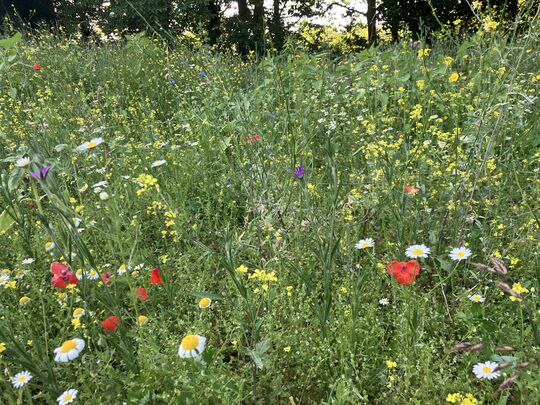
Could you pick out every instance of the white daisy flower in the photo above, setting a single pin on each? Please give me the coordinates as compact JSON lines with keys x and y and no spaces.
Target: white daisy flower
{"x":486,"y":370}
{"x":22,"y":162}
{"x":460,"y":253}
{"x":365,"y":243}
{"x":69,"y":350}
{"x":28,"y":260}
{"x":49,"y":246}
{"x":67,"y":397}
{"x":4,"y":278}
{"x":92,"y":275}
{"x":158,"y":163}
{"x":416,"y":251}
{"x":90,"y":144}
{"x":476,"y":298}
{"x":21,"y":379}
{"x":191,"y":346}
{"x":384,"y":301}
{"x":122,"y":269}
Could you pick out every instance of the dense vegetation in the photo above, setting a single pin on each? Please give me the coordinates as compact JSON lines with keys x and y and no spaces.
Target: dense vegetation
{"x":194,"y":194}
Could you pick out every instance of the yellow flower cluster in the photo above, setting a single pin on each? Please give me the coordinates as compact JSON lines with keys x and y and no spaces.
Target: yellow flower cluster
{"x":457,"y":398}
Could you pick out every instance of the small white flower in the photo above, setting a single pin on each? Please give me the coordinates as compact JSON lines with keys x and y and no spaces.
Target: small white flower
{"x":28,"y":260}
{"x":122,"y":269}
{"x":21,"y":379}
{"x":460,"y":253}
{"x":67,"y":397}
{"x":69,"y":350}
{"x":191,"y":346}
{"x":158,"y":163}
{"x":92,"y":275}
{"x":103,"y":196}
{"x":416,"y":251}
{"x":486,"y":370}
{"x":365,"y":243}
{"x":101,"y":184}
{"x":476,"y":298}
{"x":22,"y":162}
{"x":49,"y":246}
{"x":90,"y":144}
{"x":384,"y":301}
{"x":4,"y":278}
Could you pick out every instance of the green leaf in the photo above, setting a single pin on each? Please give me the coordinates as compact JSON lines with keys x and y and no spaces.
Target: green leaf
{"x":6,"y":221}
{"x":9,"y":42}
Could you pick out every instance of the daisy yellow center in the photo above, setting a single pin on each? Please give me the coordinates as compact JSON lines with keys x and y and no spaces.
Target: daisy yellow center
{"x":204,"y":302}
{"x":68,"y":397}
{"x":365,"y":244}
{"x":48,"y":245}
{"x":476,"y":298}
{"x":68,"y":345}
{"x":78,"y":312}
{"x":22,"y":378}
{"x":418,"y":251}
{"x":460,"y":254}
{"x":486,"y":369}
{"x":190,"y":342}
{"x":91,"y":144}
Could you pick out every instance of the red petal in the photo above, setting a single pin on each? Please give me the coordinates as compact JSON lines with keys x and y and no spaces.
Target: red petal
{"x":58,"y":268}
{"x":59,"y":282}
{"x":141,"y":292}
{"x":111,"y":323}
{"x":155,"y":277}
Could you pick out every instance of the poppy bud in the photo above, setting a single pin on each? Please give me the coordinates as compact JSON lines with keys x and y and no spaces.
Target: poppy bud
{"x":155,"y":277}
{"x":141,"y":292}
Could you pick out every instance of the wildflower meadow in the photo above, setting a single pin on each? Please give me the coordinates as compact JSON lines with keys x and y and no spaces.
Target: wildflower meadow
{"x":185,"y":226}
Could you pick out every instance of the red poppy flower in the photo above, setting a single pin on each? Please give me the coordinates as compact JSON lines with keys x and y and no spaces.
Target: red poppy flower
{"x":141,"y":292}
{"x":111,"y":323}
{"x":404,"y":272}
{"x":252,"y":138}
{"x":411,"y":190}
{"x":106,"y":277}
{"x":36,"y":66}
{"x":155,"y":277}
{"x":62,"y":276}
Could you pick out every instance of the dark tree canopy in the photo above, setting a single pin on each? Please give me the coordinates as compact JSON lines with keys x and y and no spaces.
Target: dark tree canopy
{"x":257,"y":25}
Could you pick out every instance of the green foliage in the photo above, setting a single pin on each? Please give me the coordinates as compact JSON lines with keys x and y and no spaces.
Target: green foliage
{"x":170,"y":155}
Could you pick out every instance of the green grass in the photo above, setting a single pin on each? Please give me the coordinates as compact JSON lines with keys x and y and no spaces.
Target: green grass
{"x":363,"y":127}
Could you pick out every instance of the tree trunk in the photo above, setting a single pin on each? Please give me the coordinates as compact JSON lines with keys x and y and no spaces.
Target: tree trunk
{"x":276,"y":27}
{"x":258,"y":25}
{"x":214,"y":31}
{"x":371,"y":16}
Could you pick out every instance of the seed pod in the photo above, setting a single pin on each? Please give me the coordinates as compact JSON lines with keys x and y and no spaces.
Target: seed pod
{"x":467,"y":347}
{"x":505,"y":348}
{"x":499,"y":266}
{"x":522,"y":366}
{"x":501,"y":366}
{"x":508,"y":382}
{"x":506,"y":288}
{"x":481,"y":266}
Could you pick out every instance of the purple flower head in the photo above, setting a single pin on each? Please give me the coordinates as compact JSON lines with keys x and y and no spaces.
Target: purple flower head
{"x":202,"y":74}
{"x":172,"y":82}
{"x":41,"y":173}
{"x":299,"y":172}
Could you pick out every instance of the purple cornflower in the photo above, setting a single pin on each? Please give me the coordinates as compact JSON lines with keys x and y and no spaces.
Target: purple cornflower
{"x":202,"y":74}
{"x":41,"y":173}
{"x":299,"y":172}
{"x":172,"y":82}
